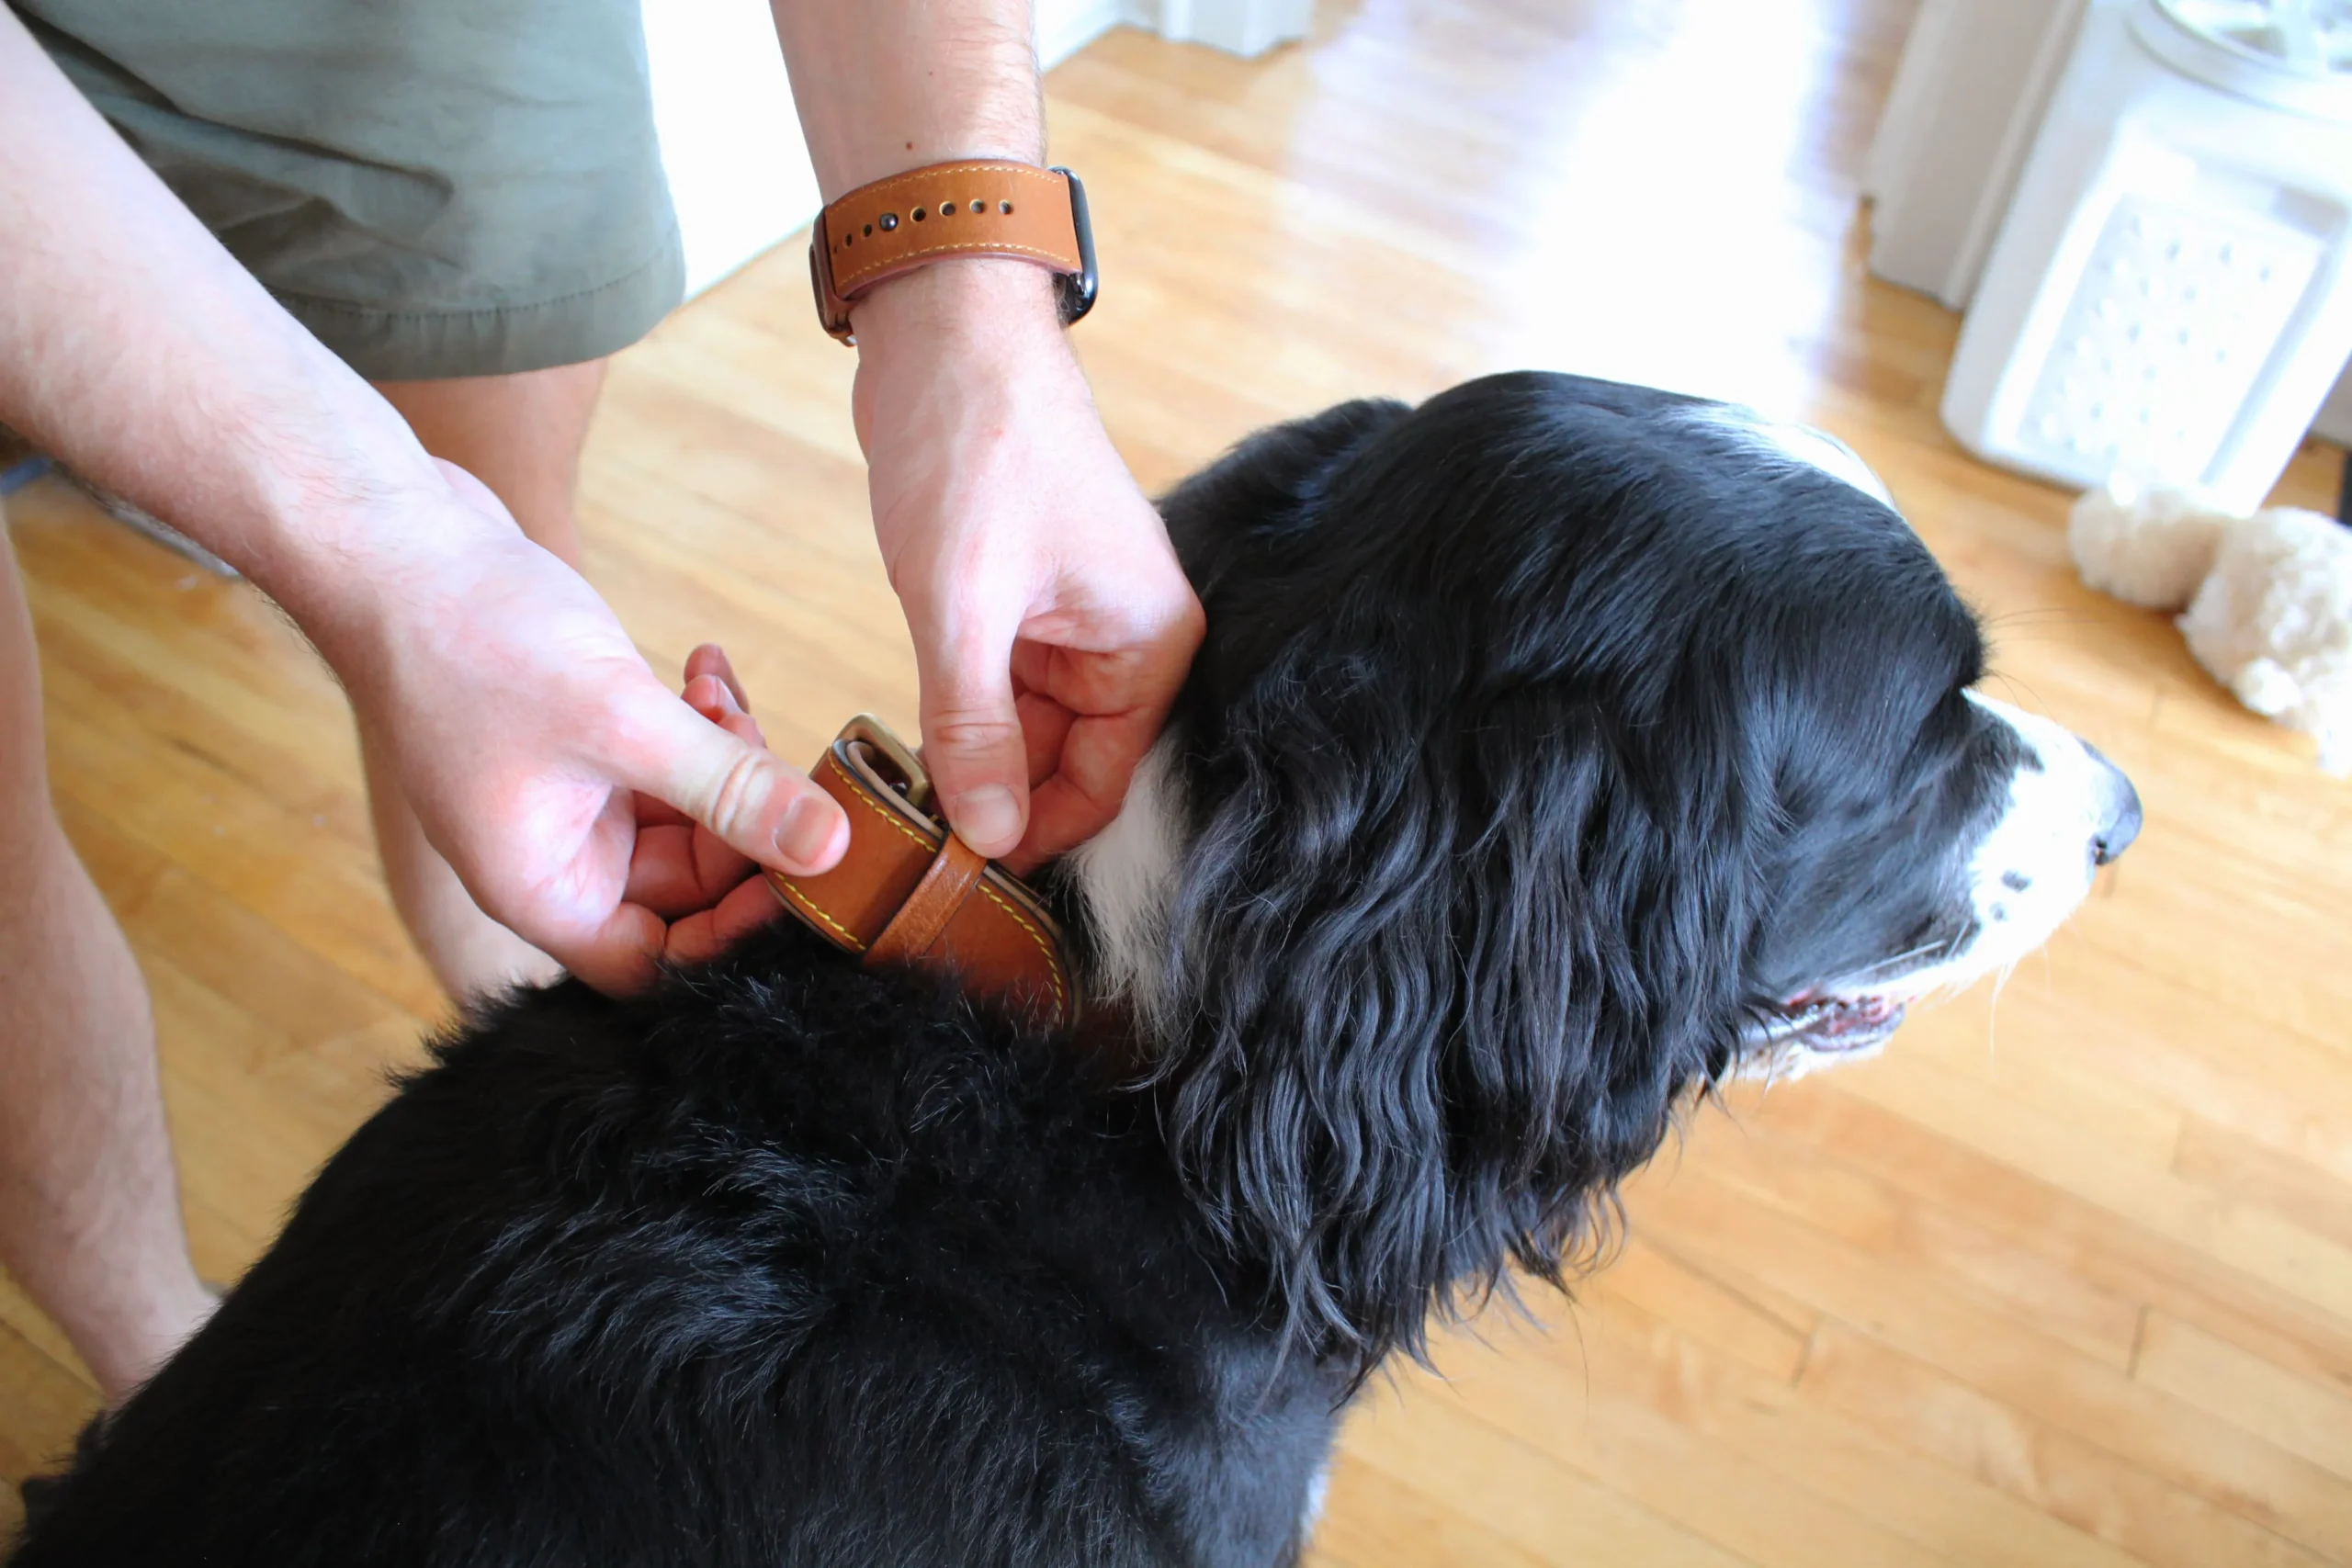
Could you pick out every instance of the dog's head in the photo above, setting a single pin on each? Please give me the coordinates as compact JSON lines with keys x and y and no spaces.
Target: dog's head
{"x":1557,"y":748}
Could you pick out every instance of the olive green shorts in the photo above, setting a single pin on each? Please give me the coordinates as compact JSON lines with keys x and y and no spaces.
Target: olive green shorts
{"x":435,"y":188}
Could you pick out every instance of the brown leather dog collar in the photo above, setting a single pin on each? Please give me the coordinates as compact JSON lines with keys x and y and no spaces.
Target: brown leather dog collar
{"x":909,"y":892}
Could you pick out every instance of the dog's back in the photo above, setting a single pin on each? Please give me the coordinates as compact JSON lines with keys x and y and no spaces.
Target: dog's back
{"x":781,"y":1265}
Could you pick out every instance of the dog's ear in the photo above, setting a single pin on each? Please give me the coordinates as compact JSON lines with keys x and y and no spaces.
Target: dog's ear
{"x":1462,"y":911}
{"x":1450,"y":984}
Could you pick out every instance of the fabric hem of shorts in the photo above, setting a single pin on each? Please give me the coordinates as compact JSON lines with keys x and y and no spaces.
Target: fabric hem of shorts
{"x":497,"y":340}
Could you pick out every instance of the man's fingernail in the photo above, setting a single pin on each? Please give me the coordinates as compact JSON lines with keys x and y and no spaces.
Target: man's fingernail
{"x":805,"y":831}
{"x":986,"y":816}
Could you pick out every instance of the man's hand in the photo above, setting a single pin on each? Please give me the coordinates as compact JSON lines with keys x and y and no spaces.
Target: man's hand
{"x":558,"y":777}
{"x":1052,"y":624}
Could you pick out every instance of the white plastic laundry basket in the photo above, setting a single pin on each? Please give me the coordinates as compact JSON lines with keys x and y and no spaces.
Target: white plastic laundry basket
{"x":2171,"y":294}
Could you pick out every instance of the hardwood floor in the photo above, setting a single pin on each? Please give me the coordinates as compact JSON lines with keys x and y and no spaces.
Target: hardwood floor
{"x":2065,"y":1279}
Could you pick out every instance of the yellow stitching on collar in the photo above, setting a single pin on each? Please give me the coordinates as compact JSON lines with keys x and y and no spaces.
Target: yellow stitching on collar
{"x":1053,"y":960}
{"x":809,"y":904}
{"x":880,"y":810}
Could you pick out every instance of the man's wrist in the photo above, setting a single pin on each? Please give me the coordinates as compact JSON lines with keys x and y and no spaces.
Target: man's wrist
{"x":328,"y":551}
{"x":954,"y":299}
{"x":349,"y":547}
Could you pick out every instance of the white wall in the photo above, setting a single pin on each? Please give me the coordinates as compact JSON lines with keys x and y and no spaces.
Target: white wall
{"x":738,"y":170}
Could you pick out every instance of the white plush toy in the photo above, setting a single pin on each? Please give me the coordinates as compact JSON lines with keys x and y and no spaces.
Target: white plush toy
{"x":2268,"y":597}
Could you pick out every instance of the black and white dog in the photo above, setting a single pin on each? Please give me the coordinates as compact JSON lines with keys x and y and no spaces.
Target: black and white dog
{"x":1558,"y":750}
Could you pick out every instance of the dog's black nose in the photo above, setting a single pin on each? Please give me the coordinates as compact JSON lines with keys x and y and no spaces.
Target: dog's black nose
{"x":2120,"y":821}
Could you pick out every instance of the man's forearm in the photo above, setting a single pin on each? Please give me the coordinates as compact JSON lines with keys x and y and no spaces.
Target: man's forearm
{"x":1007,"y":521}
{"x":135,"y":348}
{"x":887,"y":86}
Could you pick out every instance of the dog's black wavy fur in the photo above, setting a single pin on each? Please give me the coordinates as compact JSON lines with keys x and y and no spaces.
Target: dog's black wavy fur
{"x":1544,"y":735}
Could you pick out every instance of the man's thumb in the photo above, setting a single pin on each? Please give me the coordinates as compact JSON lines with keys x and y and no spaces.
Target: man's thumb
{"x":972,"y":746}
{"x":762,"y":806}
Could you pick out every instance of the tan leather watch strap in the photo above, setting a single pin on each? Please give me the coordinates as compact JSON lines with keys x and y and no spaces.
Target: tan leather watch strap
{"x":909,"y":893}
{"x":978,"y":206}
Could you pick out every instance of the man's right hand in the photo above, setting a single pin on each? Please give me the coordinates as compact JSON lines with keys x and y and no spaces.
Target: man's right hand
{"x":526,"y":731}
{"x":534,"y":743}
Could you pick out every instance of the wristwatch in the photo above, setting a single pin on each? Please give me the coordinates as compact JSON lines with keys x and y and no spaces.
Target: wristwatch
{"x":983,"y":206}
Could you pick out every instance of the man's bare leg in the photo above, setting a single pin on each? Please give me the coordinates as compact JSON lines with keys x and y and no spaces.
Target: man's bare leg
{"x":89,"y":1207}
{"x":521,"y":436}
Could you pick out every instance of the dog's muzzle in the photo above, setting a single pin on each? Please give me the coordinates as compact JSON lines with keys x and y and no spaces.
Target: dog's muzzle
{"x":910,"y":893}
